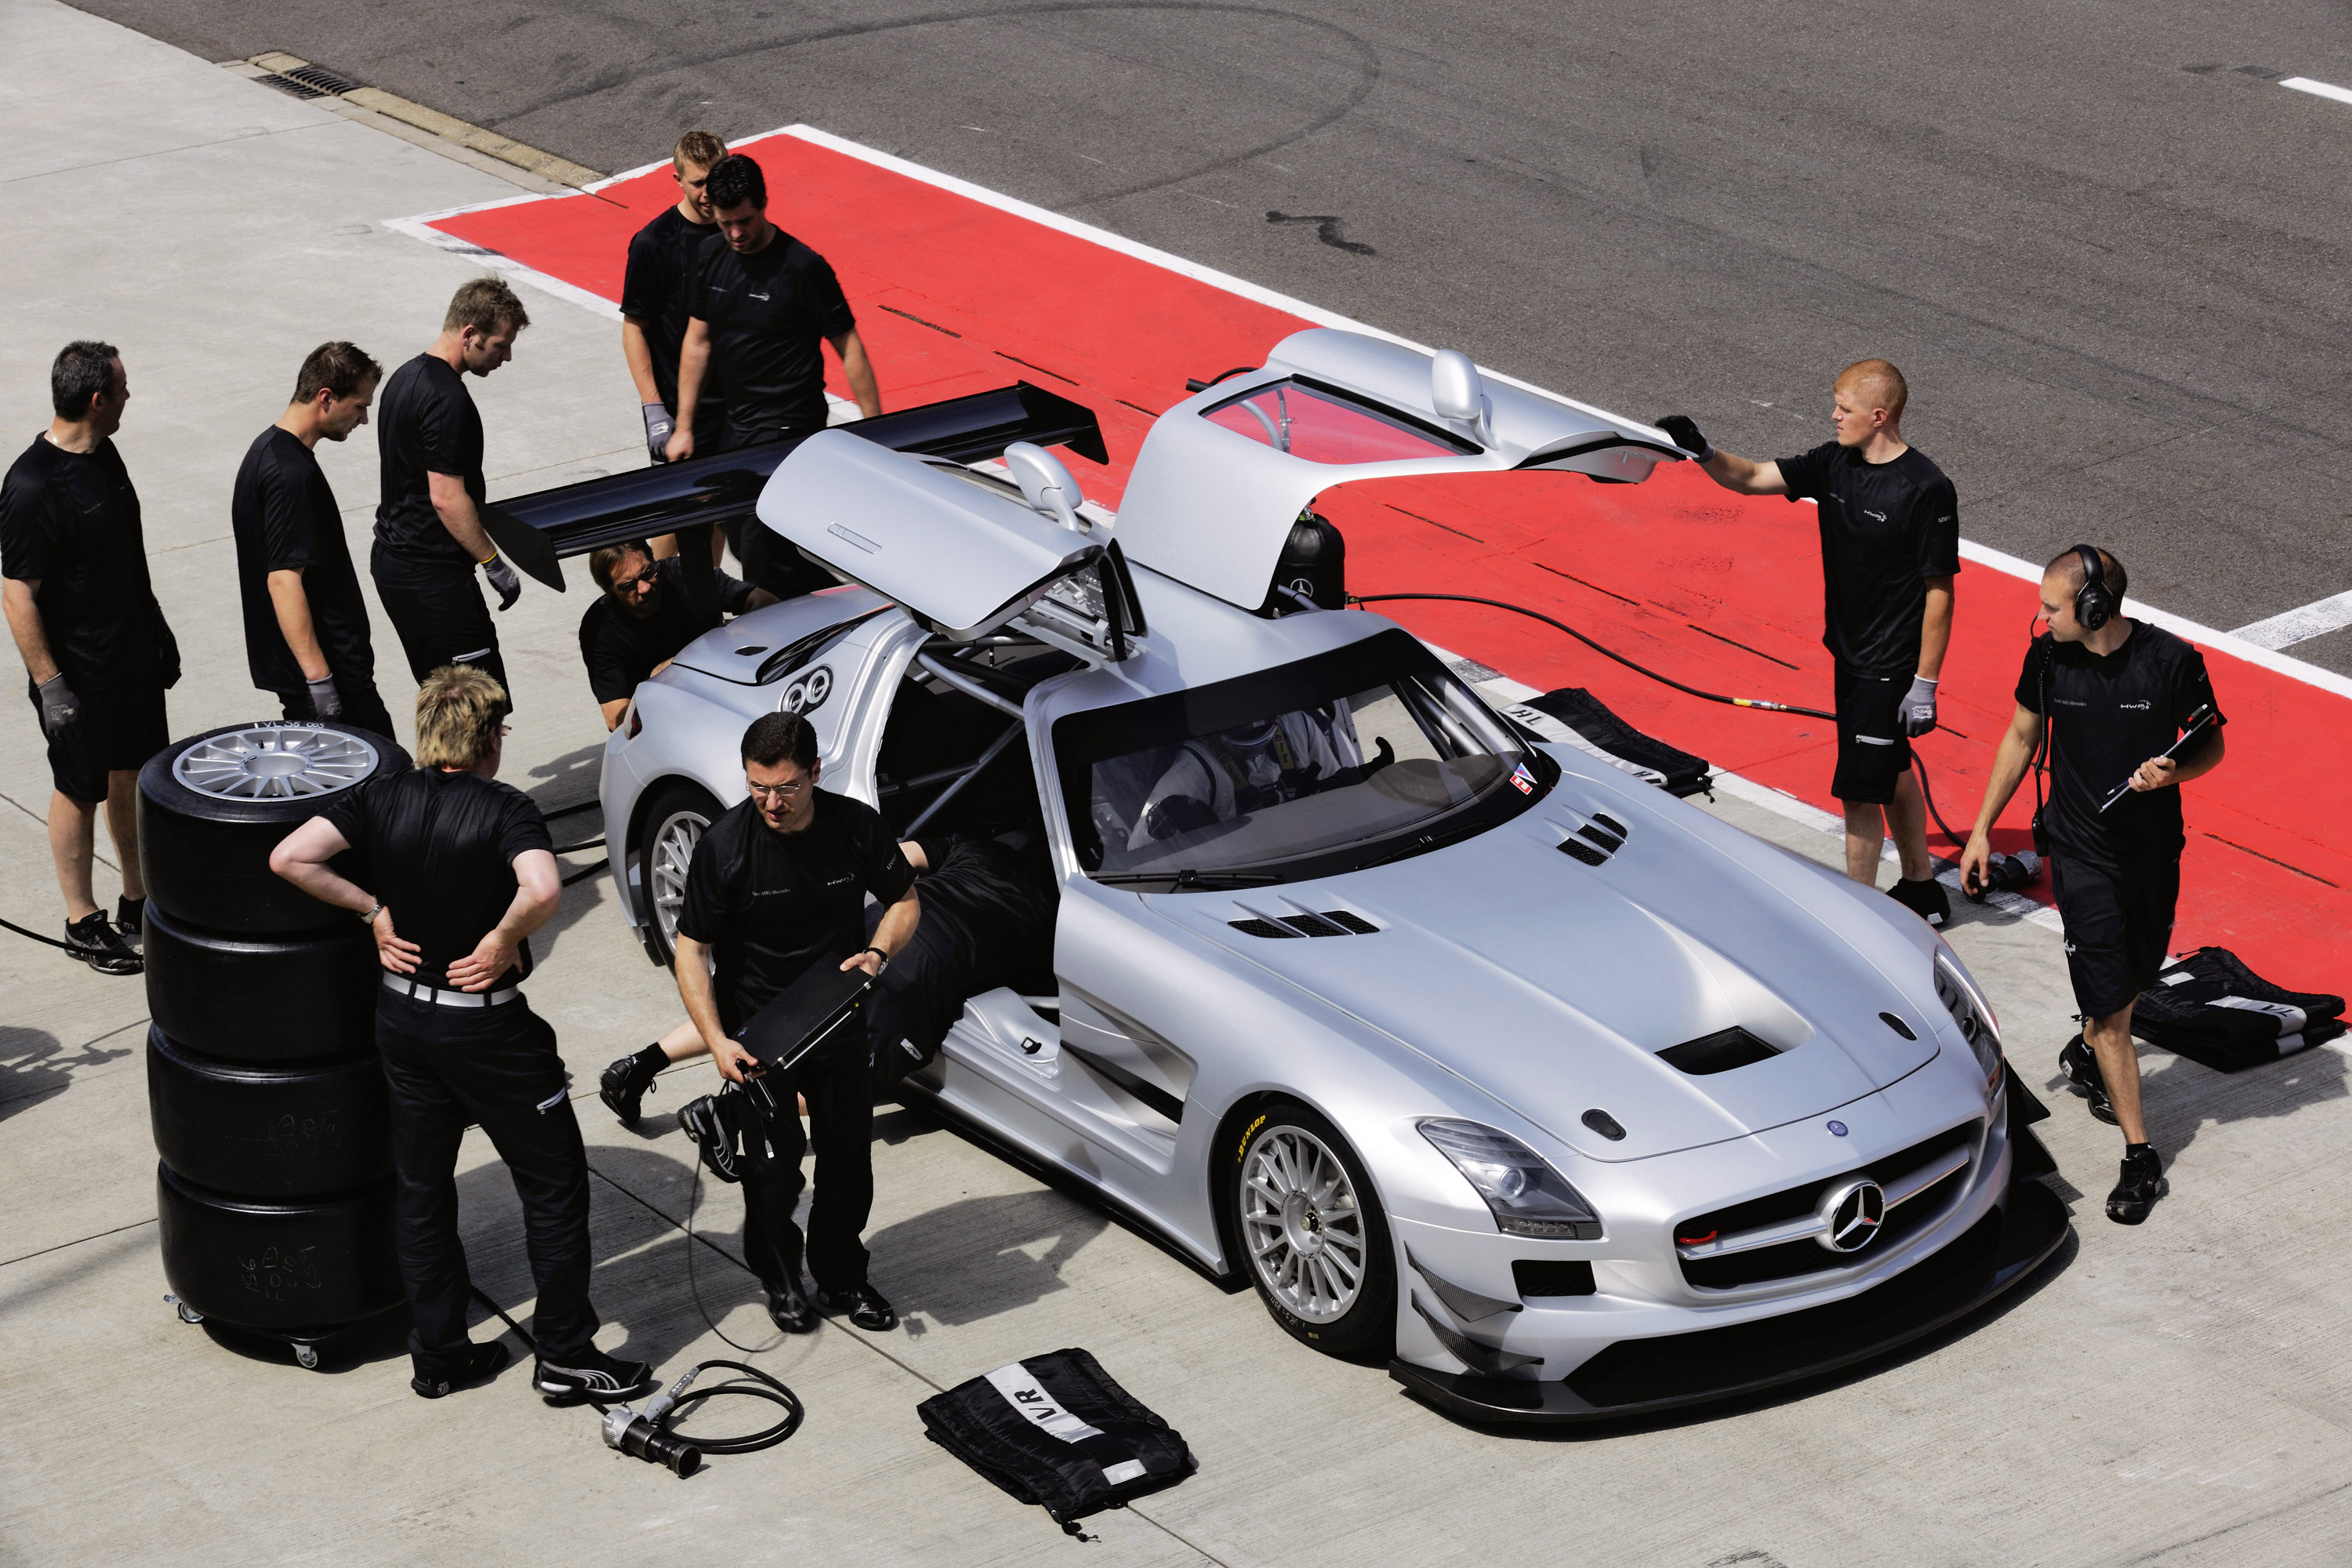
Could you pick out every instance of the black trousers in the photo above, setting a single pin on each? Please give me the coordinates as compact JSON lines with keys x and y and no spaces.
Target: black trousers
{"x":769,"y":561}
{"x":497,"y":1066}
{"x":362,"y":705}
{"x":841,"y":1127}
{"x":439,"y":612}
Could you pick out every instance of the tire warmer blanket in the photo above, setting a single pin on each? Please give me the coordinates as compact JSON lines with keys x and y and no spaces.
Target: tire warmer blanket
{"x":1056,"y":1429}
{"x":2209,"y":1007}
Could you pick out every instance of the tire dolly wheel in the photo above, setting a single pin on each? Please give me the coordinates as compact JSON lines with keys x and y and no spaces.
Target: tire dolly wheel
{"x":306,"y":1355}
{"x":187,"y":1314}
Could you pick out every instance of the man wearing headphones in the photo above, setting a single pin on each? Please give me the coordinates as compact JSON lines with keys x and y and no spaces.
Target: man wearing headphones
{"x":2122,"y":691}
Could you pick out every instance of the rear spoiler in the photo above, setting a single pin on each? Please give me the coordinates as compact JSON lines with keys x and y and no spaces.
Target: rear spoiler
{"x":537,"y":529}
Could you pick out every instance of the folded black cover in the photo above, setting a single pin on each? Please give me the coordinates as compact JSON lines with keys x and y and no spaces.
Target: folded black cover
{"x":820,"y":1010}
{"x":1677,"y":772}
{"x":2209,"y":1007}
{"x":1054,"y":1429}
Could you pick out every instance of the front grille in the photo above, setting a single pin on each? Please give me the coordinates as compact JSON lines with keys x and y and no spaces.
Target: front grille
{"x":1793,"y":1258}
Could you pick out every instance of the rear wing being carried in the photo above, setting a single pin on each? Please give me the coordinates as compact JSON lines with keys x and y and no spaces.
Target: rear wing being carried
{"x":536,"y":530}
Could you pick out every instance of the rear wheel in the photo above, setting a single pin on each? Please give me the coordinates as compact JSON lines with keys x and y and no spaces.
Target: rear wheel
{"x":673,"y":827}
{"x":1314,"y":1233}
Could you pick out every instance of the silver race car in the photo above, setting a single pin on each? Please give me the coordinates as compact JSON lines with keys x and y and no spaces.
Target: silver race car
{"x":1469,"y":1049}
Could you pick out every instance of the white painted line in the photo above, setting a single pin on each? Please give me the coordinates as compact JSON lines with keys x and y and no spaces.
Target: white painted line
{"x":2319,"y":88}
{"x":2313,"y":620}
{"x":2179,"y":625}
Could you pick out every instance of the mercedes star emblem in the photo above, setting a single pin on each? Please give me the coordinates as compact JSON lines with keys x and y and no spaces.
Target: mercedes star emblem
{"x":1851,"y":1215}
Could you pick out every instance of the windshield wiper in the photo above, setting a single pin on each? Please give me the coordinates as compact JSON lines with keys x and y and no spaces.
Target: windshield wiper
{"x":1179,"y":881}
{"x":1423,"y":843}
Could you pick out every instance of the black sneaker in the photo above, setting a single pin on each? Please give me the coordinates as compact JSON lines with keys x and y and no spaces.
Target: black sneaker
{"x":705,"y":1122}
{"x":1925,"y":898}
{"x":2081,"y":1065}
{"x":97,"y":944}
{"x":482,"y":1362}
{"x":592,"y":1374}
{"x":2137,"y":1190}
{"x":131,"y":919}
{"x":789,"y":1309}
{"x":865,"y":1306}
{"x":624,"y":1086}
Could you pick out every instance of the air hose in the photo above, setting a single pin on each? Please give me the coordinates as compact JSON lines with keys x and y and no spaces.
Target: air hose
{"x":1758,"y":704}
{"x":650,"y":1433}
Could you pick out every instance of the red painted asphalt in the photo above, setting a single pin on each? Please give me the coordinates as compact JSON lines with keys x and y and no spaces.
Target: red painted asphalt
{"x":954,"y":295}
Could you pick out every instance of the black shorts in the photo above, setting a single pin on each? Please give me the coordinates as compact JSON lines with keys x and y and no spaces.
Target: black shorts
{"x":1874,"y":753}
{"x":2118,"y":927}
{"x":117,"y":732}
{"x":439,"y":612}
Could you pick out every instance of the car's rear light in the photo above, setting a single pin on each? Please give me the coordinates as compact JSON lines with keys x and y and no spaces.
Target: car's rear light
{"x":636,"y":720}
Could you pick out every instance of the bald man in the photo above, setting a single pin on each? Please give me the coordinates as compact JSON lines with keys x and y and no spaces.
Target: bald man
{"x":1890,"y":549}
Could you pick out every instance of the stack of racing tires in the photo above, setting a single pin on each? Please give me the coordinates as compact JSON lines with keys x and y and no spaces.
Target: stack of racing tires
{"x":274,"y":1192}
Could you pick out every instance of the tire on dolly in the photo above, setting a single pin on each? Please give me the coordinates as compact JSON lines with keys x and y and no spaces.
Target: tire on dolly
{"x":281,"y":1131}
{"x":295,"y":1268}
{"x":212,"y":807}
{"x":262,"y":999}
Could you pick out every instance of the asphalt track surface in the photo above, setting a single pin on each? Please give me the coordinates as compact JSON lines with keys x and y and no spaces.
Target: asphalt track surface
{"x":2109,"y":250}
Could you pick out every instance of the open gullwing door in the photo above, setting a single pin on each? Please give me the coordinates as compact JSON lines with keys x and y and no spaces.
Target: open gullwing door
{"x":1225,"y":474}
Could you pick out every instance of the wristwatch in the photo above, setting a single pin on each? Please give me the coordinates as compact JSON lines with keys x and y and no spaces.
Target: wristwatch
{"x":369,"y":919}
{"x":878,"y":954}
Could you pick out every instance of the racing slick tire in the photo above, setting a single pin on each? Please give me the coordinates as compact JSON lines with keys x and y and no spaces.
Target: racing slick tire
{"x":262,"y":999}
{"x":278,"y":1266}
{"x":272,"y":1132}
{"x":667,"y":833}
{"x":1311,"y":1226}
{"x":213,"y":806}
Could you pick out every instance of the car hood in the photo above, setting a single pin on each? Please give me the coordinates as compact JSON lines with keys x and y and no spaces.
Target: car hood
{"x":1551,"y":985}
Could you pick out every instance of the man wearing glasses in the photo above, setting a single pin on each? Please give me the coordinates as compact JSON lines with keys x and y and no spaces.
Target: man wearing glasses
{"x":646,"y":612}
{"x":780,"y":883}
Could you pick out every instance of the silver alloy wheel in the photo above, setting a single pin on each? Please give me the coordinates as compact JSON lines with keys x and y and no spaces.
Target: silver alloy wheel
{"x":275,"y":762}
{"x":673,"y":852}
{"x":1302,"y":1225}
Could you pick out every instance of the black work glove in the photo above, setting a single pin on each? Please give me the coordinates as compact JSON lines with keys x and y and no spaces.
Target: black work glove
{"x":658,"y":425}
{"x":59,"y":707}
{"x":1686,"y":432}
{"x":325,"y":702}
{"x":505,"y":579}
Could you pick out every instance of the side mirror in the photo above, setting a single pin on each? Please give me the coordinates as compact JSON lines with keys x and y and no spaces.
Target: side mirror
{"x":1045,"y":485}
{"x":1455,"y":390}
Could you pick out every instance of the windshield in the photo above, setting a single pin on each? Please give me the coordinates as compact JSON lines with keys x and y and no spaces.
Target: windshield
{"x":1336,"y":762}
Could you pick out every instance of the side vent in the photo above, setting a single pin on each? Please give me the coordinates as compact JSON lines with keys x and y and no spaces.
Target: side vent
{"x":1330,"y":923}
{"x":1593,"y":839}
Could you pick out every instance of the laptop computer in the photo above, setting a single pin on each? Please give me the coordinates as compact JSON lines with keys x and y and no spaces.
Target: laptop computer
{"x":821,"y":1010}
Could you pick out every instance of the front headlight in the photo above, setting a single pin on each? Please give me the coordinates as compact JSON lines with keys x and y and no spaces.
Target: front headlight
{"x":1527,"y":1195}
{"x":1971,"y":1011}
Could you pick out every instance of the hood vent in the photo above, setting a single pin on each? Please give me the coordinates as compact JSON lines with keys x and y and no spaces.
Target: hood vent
{"x":1720,"y":1052}
{"x":1594,"y":840}
{"x":1330,"y":923}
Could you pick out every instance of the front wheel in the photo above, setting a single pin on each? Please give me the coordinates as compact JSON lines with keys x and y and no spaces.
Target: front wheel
{"x":1315,"y":1235}
{"x":673,"y":827}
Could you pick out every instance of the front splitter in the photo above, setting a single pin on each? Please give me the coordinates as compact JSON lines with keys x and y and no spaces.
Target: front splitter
{"x":1635,"y":1378}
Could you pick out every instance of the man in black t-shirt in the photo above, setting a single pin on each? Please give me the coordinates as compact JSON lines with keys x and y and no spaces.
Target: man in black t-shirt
{"x":645,"y":615}
{"x":662,"y":264}
{"x":1890,"y":549}
{"x":428,"y":524}
{"x":306,"y":625}
{"x":464,"y":871}
{"x":2114,"y":695}
{"x":780,"y":883}
{"x":758,"y":308}
{"x":96,"y":650}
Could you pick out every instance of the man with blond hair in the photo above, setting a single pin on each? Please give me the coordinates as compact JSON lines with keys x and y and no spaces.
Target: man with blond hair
{"x":464,"y":871}
{"x":428,"y":524}
{"x":662,"y":257}
{"x":306,"y":625}
{"x":1890,"y":548}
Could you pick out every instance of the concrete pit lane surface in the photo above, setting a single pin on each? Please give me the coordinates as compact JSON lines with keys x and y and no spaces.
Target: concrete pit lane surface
{"x":2170,"y":1394}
